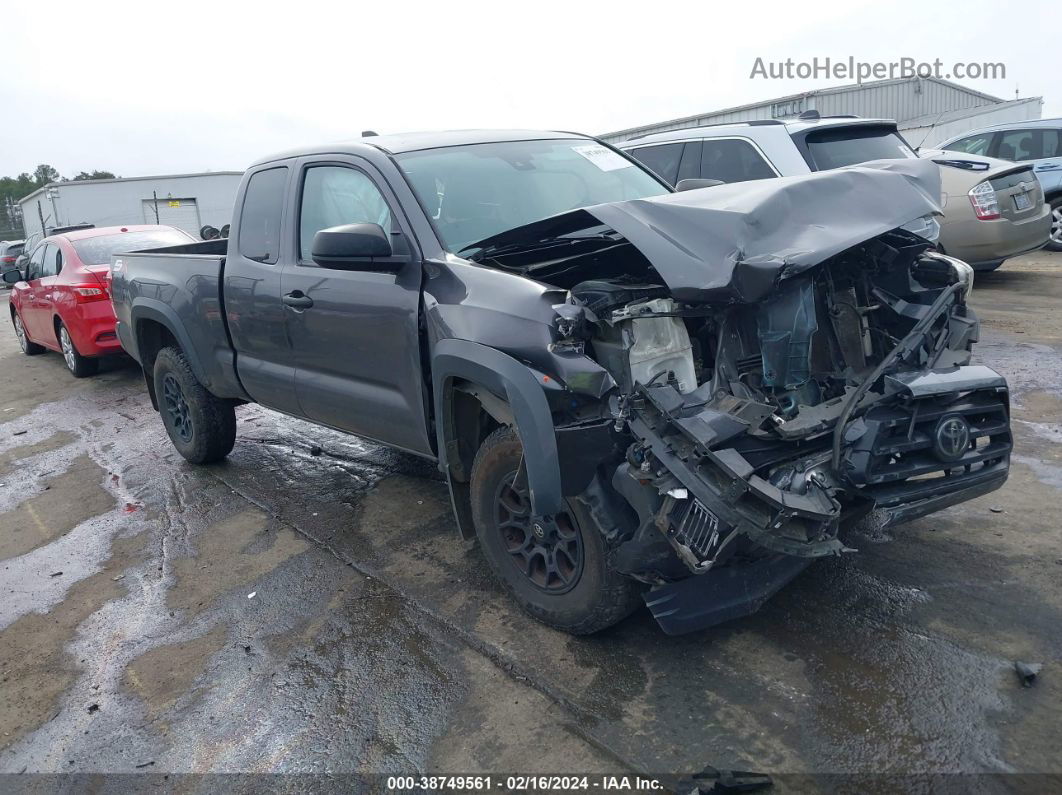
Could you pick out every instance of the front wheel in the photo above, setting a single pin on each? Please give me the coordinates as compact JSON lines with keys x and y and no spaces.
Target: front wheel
{"x":29,"y":347}
{"x":201,"y":426}
{"x":1054,"y":242}
{"x":560,"y":574}
{"x":80,"y":366}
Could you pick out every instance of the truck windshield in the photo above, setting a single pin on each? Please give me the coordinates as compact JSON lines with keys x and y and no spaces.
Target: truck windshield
{"x":98,"y":250}
{"x":848,"y":146}
{"x":476,"y":191}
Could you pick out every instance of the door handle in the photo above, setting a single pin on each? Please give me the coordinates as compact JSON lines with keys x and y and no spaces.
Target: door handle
{"x":297,"y":299}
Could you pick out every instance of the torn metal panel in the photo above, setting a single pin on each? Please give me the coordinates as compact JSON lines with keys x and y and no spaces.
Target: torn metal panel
{"x":735,"y":242}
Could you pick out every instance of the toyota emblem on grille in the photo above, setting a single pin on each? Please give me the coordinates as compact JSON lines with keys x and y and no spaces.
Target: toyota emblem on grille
{"x":951,"y":438}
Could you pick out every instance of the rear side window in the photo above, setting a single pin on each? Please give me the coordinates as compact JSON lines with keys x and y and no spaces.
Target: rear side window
{"x":662,"y":160}
{"x":51,"y":256}
{"x":732,"y":160}
{"x":836,"y":148}
{"x":260,"y":220}
{"x":1028,"y":145}
{"x":972,"y":145}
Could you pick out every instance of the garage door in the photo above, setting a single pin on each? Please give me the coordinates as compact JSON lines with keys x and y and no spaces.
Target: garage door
{"x":181,"y":213}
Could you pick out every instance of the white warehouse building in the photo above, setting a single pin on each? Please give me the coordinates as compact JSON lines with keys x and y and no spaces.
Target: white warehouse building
{"x":927,"y":110}
{"x":186,"y":201}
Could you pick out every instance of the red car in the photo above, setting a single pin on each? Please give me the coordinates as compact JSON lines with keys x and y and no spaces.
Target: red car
{"x":62,"y":301}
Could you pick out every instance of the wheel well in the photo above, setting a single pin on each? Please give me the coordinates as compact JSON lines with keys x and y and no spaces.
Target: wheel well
{"x":152,"y":337}
{"x":469,"y":424}
{"x":1050,"y":197}
{"x":56,"y":323}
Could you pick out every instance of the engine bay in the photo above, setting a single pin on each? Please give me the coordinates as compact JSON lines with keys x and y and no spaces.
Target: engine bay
{"x":732,"y":412}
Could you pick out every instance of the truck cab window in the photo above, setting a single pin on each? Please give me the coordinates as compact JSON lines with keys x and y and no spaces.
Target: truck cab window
{"x":259,"y":229}
{"x":336,"y":195}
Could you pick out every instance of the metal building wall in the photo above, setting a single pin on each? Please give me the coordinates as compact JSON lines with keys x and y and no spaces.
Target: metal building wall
{"x":900,"y":101}
{"x":120,"y":202}
{"x":887,"y":99}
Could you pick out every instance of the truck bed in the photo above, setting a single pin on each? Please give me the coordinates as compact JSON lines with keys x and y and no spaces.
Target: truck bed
{"x":179,"y":288}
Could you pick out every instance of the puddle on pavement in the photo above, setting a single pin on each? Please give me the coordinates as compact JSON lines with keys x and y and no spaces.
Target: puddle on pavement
{"x":235,"y":551}
{"x":161,"y":676}
{"x":13,"y":455}
{"x":68,"y":500}
{"x":35,"y":665}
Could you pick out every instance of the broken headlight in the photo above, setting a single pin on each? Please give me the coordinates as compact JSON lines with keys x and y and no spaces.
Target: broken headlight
{"x":962,"y":273}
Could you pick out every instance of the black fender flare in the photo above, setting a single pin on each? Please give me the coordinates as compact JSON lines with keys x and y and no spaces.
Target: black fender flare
{"x":518,"y":385}
{"x":150,"y":309}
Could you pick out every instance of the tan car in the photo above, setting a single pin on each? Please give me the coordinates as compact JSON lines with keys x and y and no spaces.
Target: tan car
{"x":993,"y":209}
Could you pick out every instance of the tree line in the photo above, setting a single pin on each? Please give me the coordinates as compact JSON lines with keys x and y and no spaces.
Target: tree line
{"x":14,"y":188}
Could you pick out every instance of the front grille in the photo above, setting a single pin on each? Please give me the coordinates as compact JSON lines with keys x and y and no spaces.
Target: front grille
{"x":696,"y":529}
{"x":899,"y":458}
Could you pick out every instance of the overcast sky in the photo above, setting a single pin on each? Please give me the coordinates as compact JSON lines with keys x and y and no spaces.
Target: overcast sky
{"x":154,"y":88}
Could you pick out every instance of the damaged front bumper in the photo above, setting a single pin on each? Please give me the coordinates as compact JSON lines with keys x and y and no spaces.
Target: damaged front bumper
{"x":936,"y":438}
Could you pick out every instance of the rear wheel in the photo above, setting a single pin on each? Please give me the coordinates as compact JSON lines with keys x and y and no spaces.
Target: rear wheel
{"x":29,"y":347}
{"x":560,"y":575}
{"x":201,"y":426}
{"x":80,"y":366}
{"x":1054,"y":242}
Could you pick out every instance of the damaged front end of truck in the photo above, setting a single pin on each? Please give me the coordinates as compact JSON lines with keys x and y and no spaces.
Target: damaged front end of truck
{"x":780,"y":358}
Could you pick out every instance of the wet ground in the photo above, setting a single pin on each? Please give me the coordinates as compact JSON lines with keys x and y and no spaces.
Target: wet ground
{"x":286,"y":612}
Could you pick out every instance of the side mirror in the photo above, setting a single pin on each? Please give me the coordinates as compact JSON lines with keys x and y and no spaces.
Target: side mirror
{"x":12,"y":276}
{"x":352,"y":247}
{"x":696,"y":184}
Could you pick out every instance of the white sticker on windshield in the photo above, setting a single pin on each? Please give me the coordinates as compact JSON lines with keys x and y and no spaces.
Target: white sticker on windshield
{"x":602,"y":157}
{"x":906,"y":151}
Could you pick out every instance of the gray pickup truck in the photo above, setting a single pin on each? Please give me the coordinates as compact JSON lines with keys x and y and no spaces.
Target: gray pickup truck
{"x":635,"y":394}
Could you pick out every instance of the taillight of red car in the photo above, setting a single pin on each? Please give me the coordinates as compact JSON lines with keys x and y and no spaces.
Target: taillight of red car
{"x":8,"y":260}
{"x":86,"y":293}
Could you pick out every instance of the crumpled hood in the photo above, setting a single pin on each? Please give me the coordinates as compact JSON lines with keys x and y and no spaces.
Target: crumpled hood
{"x":735,"y":242}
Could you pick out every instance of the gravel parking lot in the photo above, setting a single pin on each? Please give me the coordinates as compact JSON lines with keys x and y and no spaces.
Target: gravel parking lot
{"x":307,"y":607}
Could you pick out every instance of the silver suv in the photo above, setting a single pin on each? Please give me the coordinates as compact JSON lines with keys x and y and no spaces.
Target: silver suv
{"x":768,"y":148}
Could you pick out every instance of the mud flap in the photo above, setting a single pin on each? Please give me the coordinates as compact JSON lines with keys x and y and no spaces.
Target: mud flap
{"x":722,"y":594}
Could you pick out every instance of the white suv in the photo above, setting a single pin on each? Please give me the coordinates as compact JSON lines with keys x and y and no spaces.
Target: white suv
{"x":750,"y":150}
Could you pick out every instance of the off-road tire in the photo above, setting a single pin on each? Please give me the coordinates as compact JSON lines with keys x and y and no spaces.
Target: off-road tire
{"x":1056,"y":218}
{"x":78,"y":365}
{"x":600,"y":597}
{"x":29,"y":347}
{"x":212,"y":421}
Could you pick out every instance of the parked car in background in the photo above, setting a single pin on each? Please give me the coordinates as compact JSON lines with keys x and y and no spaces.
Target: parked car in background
{"x":61,"y":301}
{"x":1037,"y":142}
{"x":993,"y":209}
{"x":767,"y":148}
{"x":755,"y":150}
{"x":9,"y":253}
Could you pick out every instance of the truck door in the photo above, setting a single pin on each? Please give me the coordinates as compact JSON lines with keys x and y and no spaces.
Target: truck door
{"x":255,"y":315}
{"x":355,"y":334}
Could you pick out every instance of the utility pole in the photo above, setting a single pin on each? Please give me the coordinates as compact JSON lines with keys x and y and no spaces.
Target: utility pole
{"x":40,"y":214}
{"x":155,"y":196}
